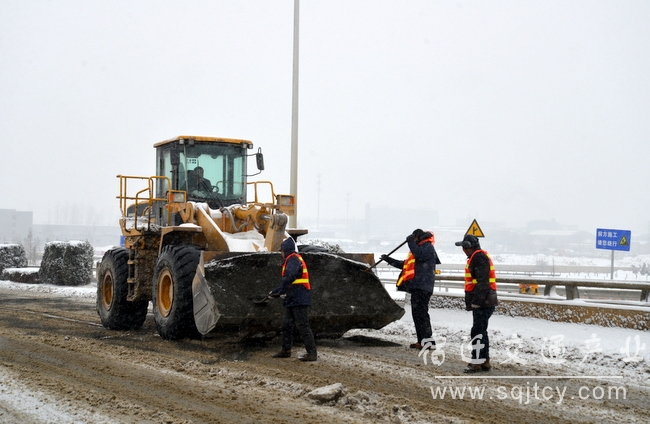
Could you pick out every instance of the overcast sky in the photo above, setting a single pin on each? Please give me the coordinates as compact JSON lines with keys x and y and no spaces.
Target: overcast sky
{"x":500,"y":111}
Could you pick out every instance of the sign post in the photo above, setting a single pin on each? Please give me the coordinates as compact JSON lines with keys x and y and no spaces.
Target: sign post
{"x":613,"y":240}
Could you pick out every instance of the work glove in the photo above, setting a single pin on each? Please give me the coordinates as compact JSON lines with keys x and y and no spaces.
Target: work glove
{"x":385,"y":258}
{"x":410,"y":237}
{"x":475,"y":306}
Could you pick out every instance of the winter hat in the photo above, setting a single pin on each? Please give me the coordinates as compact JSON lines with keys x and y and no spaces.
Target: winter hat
{"x":469,"y":242}
{"x":417,"y":233}
{"x":288,"y":245}
{"x":428,"y":234}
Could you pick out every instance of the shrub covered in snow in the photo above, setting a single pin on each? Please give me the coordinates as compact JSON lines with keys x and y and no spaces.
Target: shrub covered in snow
{"x":12,"y":256}
{"x":21,"y":275}
{"x":67,"y":263}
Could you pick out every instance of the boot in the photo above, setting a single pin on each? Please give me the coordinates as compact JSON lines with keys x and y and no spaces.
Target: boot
{"x":472,"y":368}
{"x":284,"y":353}
{"x":308,"y":357}
{"x":485,"y":366}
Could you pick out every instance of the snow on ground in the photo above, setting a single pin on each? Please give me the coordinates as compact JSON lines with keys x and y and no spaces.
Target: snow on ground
{"x":38,"y":406}
{"x":553,"y":348}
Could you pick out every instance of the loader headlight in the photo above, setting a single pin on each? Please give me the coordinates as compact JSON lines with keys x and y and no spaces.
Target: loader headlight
{"x":285,"y":200}
{"x":177,"y":197}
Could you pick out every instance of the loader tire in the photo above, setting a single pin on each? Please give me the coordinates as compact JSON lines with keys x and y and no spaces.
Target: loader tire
{"x":115,"y":311}
{"x":172,"y":292}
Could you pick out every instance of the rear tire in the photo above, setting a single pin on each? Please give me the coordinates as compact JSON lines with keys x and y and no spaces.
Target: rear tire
{"x":115,"y":312}
{"x":172,"y":292}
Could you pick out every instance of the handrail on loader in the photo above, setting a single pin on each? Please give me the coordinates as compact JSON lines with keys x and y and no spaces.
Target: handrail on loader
{"x":284,"y":203}
{"x":256,"y":193}
{"x":138,"y":200}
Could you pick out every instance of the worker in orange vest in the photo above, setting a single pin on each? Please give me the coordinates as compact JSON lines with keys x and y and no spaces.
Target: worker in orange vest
{"x":417,"y":278}
{"x":295,"y":289}
{"x":480,"y":298}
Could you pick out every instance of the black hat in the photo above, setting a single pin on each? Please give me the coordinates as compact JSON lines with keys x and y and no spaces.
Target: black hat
{"x":417,"y":233}
{"x":469,"y":242}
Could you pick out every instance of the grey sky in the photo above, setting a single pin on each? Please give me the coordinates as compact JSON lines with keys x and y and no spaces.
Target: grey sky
{"x":503,"y":111}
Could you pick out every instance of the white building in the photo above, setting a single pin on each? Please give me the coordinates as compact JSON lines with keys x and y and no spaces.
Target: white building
{"x":14,"y":225}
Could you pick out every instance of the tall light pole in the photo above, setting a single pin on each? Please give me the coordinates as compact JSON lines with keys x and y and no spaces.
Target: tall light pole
{"x":318,"y":205}
{"x":293,"y":220}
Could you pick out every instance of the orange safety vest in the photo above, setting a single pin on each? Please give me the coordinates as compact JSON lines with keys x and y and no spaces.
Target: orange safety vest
{"x":470,"y":283}
{"x":408,"y":269}
{"x":304,"y":279}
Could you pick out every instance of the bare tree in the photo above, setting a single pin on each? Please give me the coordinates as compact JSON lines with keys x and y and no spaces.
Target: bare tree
{"x":31,"y":244}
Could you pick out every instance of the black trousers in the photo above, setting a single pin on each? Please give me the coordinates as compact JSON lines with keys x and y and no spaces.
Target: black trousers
{"x":420,"y":311}
{"x":298,"y":315}
{"x":481,"y":316}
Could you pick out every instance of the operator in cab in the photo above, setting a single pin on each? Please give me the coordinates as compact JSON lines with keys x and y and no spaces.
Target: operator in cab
{"x":202,"y":185}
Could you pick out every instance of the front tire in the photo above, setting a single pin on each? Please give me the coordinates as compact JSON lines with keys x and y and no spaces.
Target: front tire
{"x":172,"y":292}
{"x":115,"y":311}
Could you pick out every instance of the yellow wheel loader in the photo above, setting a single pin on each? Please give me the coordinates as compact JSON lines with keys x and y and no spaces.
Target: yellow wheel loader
{"x":201,"y":243}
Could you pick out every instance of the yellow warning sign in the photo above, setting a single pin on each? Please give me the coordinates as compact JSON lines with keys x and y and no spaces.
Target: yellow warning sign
{"x":475,"y":230}
{"x":623,"y":241}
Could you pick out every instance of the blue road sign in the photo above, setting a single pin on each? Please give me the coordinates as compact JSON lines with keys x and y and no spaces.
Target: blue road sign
{"x":613,"y":239}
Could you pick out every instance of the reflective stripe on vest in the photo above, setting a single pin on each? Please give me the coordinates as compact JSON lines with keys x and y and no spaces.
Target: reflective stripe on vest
{"x":408,"y":270}
{"x":470,"y":282}
{"x":304,"y":279}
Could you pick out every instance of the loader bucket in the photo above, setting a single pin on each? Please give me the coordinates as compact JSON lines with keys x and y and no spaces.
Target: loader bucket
{"x":345,"y":295}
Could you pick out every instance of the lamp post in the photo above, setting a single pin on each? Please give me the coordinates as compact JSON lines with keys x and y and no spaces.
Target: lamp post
{"x":293,"y":220}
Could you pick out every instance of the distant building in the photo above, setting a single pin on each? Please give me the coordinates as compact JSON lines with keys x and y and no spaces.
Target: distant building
{"x":14,"y":225}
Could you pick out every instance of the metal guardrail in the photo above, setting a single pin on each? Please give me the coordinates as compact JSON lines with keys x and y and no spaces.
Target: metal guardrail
{"x":571,"y":287}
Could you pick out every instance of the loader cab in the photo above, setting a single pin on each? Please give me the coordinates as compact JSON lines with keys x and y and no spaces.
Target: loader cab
{"x":211,"y":170}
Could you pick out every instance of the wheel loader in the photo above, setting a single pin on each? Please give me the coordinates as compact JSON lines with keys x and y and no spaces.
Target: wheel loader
{"x":201,"y":242}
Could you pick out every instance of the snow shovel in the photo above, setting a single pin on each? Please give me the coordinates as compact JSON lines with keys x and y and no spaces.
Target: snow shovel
{"x":263,"y":300}
{"x":391,"y":252}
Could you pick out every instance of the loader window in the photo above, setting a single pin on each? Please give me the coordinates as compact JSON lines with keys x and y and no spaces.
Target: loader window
{"x":209,"y":172}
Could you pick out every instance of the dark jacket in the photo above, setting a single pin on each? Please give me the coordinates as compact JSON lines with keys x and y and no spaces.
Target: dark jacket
{"x":482,"y":295}
{"x":426,"y":259}
{"x":296,"y":294}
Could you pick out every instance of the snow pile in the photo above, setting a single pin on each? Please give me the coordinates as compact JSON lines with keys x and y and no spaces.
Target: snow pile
{"x":327,"y":393}
{"x":87,"y":292}
{"x":67,"y":263}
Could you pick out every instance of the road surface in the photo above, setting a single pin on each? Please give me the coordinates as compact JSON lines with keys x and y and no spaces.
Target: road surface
{"x":58,"y":364}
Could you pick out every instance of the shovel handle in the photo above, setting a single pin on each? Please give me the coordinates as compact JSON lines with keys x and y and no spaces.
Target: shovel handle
{"x":262,"y":300}
{"x":390,"y":253}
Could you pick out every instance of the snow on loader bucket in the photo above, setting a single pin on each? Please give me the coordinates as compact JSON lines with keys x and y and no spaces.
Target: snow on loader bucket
{"x":345,"y":294}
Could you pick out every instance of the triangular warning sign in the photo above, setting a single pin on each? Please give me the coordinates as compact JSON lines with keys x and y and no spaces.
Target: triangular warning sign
{"x":623,"y":241}
{"x":475,"y":230}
